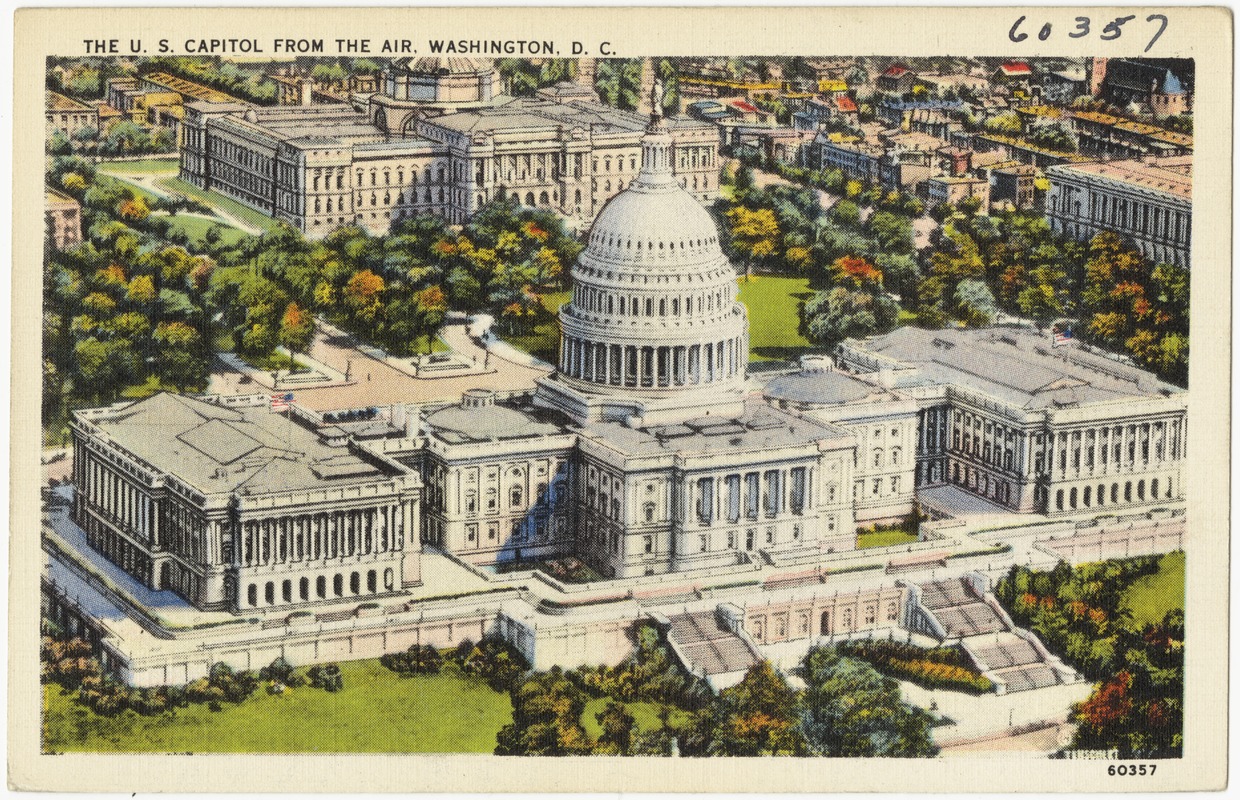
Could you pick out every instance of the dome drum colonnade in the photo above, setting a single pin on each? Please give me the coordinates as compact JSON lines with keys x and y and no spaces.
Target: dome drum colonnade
{"x":654,"y":311}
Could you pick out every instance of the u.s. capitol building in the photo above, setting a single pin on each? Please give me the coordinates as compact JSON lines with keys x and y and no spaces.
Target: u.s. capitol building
{"x":648,"y":451}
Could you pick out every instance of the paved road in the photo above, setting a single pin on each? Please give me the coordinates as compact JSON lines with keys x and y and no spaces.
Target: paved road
{"x":375,"y":383}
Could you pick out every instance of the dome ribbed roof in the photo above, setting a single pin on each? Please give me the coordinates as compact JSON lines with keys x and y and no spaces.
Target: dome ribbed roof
{"x":654,"y":222}
{"x":440,"y":65}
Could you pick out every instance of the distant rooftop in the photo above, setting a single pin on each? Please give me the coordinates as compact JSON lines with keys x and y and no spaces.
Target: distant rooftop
{"x":58,"y":102}
{"x":1172,"y":175}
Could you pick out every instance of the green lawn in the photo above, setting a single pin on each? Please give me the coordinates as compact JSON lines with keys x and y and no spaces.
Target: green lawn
{"x":378,"y":711}
{"x":196,"y":228}
{"x":215,"y":199}
{"x":156,"y":165}
{"x":1150,"y":598}
{"x":544,"y":341}
{"x":772,"y":304}
{"x":645,"y":714}
{"x":145,"y":194}
{"x":884,"y":538}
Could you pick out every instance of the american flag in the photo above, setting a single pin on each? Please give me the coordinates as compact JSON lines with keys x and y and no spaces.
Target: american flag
{"x":1059,"y":337}
{"x":279,"y":402}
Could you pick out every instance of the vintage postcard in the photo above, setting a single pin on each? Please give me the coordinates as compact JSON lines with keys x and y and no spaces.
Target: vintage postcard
{"x":697,"y":399}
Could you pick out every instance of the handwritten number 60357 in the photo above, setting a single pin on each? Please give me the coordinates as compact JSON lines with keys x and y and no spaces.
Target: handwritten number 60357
{"x":1112,"y":30}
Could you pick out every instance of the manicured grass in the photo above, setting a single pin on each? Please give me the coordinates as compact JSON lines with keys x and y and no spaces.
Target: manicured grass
{"x":772,"y":304}
{"x":196,"y":228}
{"x":139,"y":391}
{"x":155,"y":165}
{"x":544,"y":341}
{"x":145,"y":194}
{"x":378,"y":711}
{"x":215,"y":199}
{"x":1150,"y":598}
{"x":884,"y":538}
{"x":645,"y":714}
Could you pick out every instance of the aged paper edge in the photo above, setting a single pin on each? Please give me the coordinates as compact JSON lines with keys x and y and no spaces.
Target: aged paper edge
{"x":1201,"y":33}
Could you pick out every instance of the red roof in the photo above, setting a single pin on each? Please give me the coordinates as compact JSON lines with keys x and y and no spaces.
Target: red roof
{"x":845,"y":104}
{"x":743,"y":106}
{"x":895,"y":71}
{"x":1016,"y":68}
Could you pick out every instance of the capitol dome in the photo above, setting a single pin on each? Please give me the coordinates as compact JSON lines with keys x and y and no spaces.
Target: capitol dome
{"x":413,"y":88}
{"x":653,"y":330}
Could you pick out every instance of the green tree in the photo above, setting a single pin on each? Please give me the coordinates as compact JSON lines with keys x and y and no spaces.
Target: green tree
{"x":296,"y":329}
{"x":849,"y":710}
{"x":829,"y":317}
{"x":757,"y":717}
{"x":617,"y":736}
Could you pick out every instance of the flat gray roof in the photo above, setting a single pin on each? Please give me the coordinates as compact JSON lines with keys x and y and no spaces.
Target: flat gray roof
{"x":1016,"y":365}
{"x":761,"y":427}
{"x":222,"y":449}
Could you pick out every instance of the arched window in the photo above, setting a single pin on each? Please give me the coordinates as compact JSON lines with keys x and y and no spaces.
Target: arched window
{"x":304,"y":589}
{"x":269,"y":593}
{"x":355,"y":583}
{"x":320,"y":586}
{"x":338,"y":584}
{"x":442,"y":174}
{"x":824,"y":624}
{"x":252,"y":594}
{"x":649,"y":512}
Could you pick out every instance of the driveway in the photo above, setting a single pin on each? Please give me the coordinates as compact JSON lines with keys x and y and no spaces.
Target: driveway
{"x":375,"y":383}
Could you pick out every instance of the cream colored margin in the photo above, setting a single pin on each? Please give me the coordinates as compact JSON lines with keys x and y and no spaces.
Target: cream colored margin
{"x":1201,"y":33}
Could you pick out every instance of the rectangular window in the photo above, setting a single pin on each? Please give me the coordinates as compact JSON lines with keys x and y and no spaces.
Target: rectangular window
{"x":772,"y":498}
{"x":702,"y":541}
{"x":706,"y":500}
{"x":751,"y":495}
{"x":734,"y":498}
{"x":798,"y":490}
{"x":649,"y":544}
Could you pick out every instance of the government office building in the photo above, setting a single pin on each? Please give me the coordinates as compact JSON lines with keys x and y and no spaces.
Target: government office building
{"x":1148,"y":201}
{"x":438,"y":139}
{"x":647,"y":451}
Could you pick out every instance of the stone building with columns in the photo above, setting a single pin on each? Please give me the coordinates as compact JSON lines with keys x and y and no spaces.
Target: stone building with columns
{"x":237,"y":507}
{"x":647,"y":451}
{"x":438,"y":138}
{"x":1148,"y":201}
{"x":1007,"y":416}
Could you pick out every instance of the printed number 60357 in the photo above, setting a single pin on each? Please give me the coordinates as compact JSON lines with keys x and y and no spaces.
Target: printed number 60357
{"x":1131,"y":769}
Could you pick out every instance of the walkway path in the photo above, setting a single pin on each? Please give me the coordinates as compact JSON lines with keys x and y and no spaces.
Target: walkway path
{"x":147,"y":181}
{"x":372,"y":382}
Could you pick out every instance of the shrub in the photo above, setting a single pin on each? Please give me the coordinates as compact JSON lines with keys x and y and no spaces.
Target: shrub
{"x":326,"y":677}
{"x":936,"y":668}
{"x":417,"y":660}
